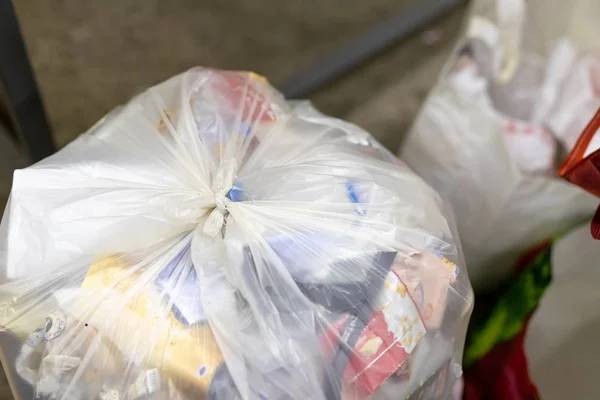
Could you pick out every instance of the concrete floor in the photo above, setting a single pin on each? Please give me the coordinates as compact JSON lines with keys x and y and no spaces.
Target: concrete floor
{"x":91,"y":56}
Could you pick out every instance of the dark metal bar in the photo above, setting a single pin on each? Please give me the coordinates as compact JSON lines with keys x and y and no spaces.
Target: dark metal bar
{"x":20,"y":89}
{"x":365,"y":46}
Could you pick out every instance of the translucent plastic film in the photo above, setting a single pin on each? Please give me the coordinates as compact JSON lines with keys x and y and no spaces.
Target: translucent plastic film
{"x":517,"y":92}
{"x":209,"y":240}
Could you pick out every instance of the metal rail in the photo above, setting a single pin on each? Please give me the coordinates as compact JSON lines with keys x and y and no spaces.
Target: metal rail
{"x":364,"y":47}
{"x":19,"y":89}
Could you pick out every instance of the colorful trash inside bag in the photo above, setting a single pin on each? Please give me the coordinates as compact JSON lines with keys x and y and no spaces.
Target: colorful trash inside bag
{"x":210,"y":240}
{"x":520,"y":87}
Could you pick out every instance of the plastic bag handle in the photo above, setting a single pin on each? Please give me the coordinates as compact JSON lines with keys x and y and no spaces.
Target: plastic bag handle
{"x":503,"y":36}
{"x":511,"y":19}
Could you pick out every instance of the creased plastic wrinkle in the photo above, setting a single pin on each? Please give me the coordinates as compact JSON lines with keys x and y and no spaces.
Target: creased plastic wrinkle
{"x":210,"y":240}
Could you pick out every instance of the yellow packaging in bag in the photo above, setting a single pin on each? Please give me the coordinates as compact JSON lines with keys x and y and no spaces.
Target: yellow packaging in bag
{"x":134,"y":317}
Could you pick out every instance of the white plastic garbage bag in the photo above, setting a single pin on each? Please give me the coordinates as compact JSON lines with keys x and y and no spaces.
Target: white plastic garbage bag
{"x":209,"y":240}
{"x":519,"y":89}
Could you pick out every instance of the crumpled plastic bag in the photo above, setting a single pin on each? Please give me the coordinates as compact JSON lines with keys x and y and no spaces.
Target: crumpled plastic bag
{"x":211,"y":240}
{"x":495,"y":127}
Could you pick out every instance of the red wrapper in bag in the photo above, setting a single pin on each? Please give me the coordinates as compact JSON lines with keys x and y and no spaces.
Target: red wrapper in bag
{"x":384,"y":345}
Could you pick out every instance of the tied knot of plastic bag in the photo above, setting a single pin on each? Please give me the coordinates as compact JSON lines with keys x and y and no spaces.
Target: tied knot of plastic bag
{"x":221,"y":185}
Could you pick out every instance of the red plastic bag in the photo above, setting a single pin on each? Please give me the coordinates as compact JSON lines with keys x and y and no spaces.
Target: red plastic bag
{"x":582,"y":166}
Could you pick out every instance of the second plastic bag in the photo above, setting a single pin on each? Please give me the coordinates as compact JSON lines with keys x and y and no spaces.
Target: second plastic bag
{"x":519,"y":88}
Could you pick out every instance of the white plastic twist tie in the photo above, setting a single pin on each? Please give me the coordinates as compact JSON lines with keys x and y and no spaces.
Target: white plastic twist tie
{"x":222,"y":184}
